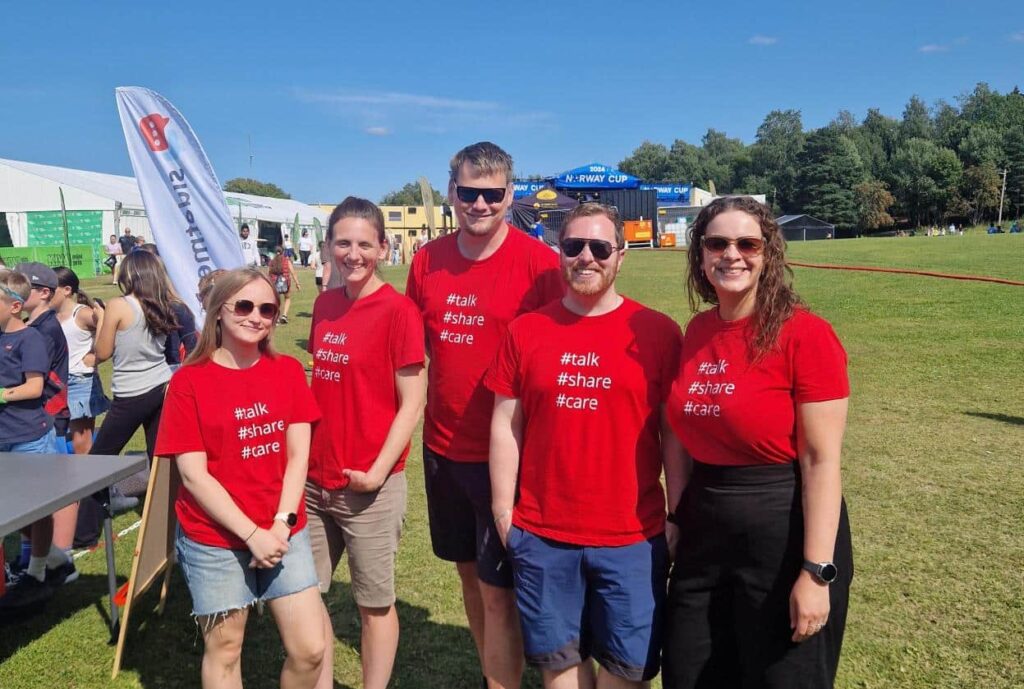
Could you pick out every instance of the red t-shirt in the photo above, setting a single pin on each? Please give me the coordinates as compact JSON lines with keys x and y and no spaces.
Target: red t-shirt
{"x":727,"y":410}
{"x":238,"y":418}
{"x":467,"y":306}
{"x":357,"y":346}
{"x":591,"y":390}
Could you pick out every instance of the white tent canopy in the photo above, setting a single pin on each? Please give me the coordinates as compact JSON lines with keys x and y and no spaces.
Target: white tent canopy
{"x":27,"y":187}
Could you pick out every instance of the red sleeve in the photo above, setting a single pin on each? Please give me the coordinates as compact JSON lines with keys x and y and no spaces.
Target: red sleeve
{"x":407,"y":339}
{"x":179,"y":430}
{"x":312,"y":323}
{"x":819,"y":362}
{"x":548,"y":284}
{"x":670,"y":362}
{"x":503,"y":377}
{"x":304,"y":409}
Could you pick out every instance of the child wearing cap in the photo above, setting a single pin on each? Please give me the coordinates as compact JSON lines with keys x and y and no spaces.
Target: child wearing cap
{"x":43,"y":300}
{"x":41,"y":305}
{"x":24,"y":425}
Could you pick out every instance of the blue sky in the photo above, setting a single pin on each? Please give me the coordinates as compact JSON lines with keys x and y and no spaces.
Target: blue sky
{"x":358,"y":98}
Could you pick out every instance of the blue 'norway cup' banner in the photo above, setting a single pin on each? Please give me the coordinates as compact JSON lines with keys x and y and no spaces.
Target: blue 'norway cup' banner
{"x":187,"y":212}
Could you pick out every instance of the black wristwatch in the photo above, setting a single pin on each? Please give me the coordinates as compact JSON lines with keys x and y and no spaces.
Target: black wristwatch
{"x":825,"y":572}
{"x":289,"y":518}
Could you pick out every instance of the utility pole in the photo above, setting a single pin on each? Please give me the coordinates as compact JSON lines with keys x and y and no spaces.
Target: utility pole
{"x":250,"y":153}
{"x":1001,"y":195}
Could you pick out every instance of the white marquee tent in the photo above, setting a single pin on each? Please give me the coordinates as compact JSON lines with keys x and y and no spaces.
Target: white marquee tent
{"x":112,"y":202}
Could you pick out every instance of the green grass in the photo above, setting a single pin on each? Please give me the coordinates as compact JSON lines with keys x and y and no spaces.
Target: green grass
{"x":932,"y":472}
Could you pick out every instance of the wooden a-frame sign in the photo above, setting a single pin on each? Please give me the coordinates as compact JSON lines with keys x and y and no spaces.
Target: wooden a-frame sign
{"x":154,"y":549}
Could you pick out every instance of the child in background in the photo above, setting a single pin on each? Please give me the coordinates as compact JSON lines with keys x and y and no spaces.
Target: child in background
{"x":42,"y":306}
{"x":43,"y":299}
{"x":80,"y":318}
{"x":24,"y":425}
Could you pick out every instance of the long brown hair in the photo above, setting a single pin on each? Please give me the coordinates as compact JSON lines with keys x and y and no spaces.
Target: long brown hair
{"x":143,"y":276}
{"x":775,"y":299}
{"x":276,"y":265}
{"x":227,"y":284}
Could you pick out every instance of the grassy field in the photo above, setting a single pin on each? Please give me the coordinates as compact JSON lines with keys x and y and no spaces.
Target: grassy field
{"x":932,"y":470}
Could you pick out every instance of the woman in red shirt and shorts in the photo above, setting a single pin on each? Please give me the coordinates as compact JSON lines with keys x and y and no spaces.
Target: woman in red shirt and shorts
{"x":763,"y":562}
{"x":237,"y":422}
{"x":367,"y":345}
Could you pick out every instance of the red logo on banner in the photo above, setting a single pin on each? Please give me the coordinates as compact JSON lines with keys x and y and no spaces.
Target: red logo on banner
{"x":152,"y":127}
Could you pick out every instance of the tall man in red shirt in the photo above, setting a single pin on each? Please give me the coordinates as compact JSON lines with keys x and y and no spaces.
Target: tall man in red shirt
{"x":469,"y":285}
{"x":579,"y":387}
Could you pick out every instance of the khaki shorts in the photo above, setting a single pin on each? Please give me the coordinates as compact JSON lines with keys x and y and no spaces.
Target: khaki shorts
{"x":368,"y":526}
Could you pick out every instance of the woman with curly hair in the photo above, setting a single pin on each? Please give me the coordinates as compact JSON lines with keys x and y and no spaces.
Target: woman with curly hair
{"x":763,"y":561}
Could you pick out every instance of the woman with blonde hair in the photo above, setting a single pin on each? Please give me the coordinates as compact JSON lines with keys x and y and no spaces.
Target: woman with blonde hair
{"x":237,"y":422}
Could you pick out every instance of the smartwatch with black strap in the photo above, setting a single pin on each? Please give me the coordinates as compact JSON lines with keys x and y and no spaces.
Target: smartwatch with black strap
{"x":824,"y":572}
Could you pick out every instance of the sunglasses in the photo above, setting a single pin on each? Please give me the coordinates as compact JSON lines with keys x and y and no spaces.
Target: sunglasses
{"x":243,"y":307}
{"x":599,"y":248}
{"x":471,"y":194}
{"x":747,"y":246}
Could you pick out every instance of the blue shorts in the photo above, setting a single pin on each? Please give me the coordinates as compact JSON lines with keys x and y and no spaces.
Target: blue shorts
{"x":220,"y":579}
{"x":85,"y":396}
{"x":577,"y":601}
{"x":43,"y":445}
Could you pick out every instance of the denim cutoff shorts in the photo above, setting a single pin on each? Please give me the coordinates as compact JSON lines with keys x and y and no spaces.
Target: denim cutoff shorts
{"x":85,"y":396}
{"x":220,"y":579}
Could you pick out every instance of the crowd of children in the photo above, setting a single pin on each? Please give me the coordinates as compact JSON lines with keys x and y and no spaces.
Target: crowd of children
{"x":54,"y":335}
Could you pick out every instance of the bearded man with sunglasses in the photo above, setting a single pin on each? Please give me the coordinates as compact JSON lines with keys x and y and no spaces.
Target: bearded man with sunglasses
{"x":469,"y":285}
{"x":576,"y":464}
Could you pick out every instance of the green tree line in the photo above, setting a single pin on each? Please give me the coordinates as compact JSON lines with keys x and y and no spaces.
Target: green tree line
{"x":933,"y":165}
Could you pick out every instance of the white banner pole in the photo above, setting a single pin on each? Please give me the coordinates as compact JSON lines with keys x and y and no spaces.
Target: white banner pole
{"x":187,"y":212}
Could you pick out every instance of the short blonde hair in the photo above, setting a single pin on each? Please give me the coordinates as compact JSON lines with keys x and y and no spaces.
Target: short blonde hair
{"x":14,"y":283}
{"x":485,"y":158}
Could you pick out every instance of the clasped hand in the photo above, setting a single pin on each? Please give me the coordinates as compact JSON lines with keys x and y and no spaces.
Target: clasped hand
{"x":268,"y":546}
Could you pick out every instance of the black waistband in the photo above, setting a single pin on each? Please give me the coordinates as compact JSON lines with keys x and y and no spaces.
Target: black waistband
{"x":751,"y":475}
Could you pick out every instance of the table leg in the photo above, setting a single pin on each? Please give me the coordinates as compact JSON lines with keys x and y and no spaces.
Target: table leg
{"x":108,"y":539}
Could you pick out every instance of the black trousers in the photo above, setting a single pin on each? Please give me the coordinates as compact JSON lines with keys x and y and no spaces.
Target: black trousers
{"x":304,"y":256}
{"x":739,"y":554}
{"x":119,"y":425}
